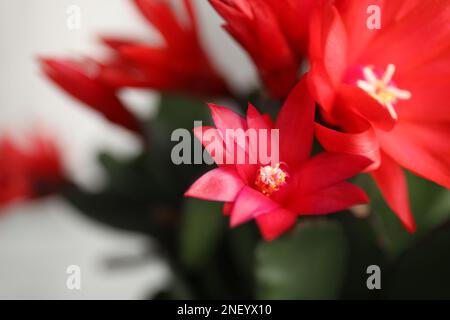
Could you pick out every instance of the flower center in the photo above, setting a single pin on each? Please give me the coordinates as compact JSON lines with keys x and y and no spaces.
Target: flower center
{"x":383,"y":89}
{"x":270,"y":179}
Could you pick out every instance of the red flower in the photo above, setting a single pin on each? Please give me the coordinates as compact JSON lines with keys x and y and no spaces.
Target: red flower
{"x":386,"y":90}
{"x":180,"y":64}
{"x":293,"y":17}
{"x":81,"y":79}
{"x":28,"y":173}
{"x":255,"y":26}
{"x":275,"y":194}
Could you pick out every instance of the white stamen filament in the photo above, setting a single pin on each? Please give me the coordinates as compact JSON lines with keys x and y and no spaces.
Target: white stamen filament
{"x":382,"y":90}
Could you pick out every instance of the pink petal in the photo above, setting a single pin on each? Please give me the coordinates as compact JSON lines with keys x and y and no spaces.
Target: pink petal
{"x":211,"y":139}
{"x":249,"y":205}
{"x":260,"y":125}
{"x":255,"y":120}
{"x":225,"y":118}
{"x":275,"y":223}
{"x":220,"y":184}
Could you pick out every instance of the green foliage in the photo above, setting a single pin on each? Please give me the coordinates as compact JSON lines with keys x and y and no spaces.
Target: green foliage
{"x":422,"y":272}
{"x":202,"y":228}
{"x":308,"y":264}
{"x":179,"y":112}
{"x":365,"y":248}
{"x":430,"y":205}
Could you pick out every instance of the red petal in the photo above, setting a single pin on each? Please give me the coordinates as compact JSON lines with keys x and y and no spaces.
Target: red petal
{"x":118,"y":77}
{"x":391,"y":180}
{"x":254,"y":25}
{"x":363,"y":143}
{"x":224,"y":118}
{"x":320,"y":86}
{"x":358,"y":101}
{"x":226,"y":154}
{"x":161,"y":15}
{"x":275,"y":223}
{"x":421,"y":148}
{"x":268,"y":119}
{"x":117,"y":43}
{"x":191,"y":13}
{"x":260,"y":124}
{"x":220,"y":184}
{"x":334,"y":45}
{"x":255,"y":120}
{"x":74,"y":77}
{"x":338,"y":197}
{"x":403,"y":36}
{"x":429,"y":87}
{"x":151,"y":58}
{"x":249,"y":205}
{"x":296,"y":124}
{"x":326,"y":169}
{"x":354,"y":16}
{"x":212,"y":140}
{"x":247,"y":172}
{"x":293,"y":17}
{"x":227,"y":207}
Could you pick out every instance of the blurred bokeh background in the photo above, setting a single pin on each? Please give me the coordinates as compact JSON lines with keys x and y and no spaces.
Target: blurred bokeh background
{"x":38,"y":240}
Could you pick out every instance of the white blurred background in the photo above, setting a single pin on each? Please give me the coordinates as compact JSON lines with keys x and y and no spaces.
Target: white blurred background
{"x":39,"y":240}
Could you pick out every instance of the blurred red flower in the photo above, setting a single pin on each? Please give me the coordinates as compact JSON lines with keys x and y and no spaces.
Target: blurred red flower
{"x":81,"y":79}
{"x":275,"y":195}
{"x":28,"y":173}
{"x":180,"y":64}
{"x":255,"y":26}
{"x":275,"y":35}
{"x":386,"y":90}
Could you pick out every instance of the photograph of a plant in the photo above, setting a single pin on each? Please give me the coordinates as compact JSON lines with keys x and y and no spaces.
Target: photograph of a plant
{"x":330,"y":175}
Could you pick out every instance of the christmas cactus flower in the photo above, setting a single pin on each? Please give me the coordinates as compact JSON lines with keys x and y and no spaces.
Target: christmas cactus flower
{"x":383,"y":90}
{"x":255,"y":26}
{"x":178,"y":64}
{"x":293,"y":17}
{"x":275,"y":194}
{"x":81,"y":79}
{"x":29,"y":173}
{"x":275,"y":35}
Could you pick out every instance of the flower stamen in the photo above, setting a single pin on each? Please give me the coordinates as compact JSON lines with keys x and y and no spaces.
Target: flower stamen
{"x":270,"y":179}
{"x":383,"y":89}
